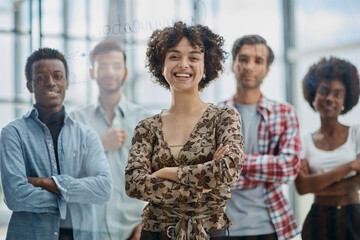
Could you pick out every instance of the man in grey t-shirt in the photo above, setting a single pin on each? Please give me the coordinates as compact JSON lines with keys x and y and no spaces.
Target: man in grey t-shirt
{"x":258,"y":208}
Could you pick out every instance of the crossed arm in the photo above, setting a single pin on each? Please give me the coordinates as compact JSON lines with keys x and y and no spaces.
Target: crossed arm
{"x":328,"y":183}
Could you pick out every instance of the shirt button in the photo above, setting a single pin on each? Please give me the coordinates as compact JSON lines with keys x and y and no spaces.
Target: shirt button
{"x":55,"y":233}
{"x":54,"y":166}
{"x":50,"y":145}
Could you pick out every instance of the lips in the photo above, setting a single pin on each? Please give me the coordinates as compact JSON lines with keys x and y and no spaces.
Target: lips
{"x":51,"y":93}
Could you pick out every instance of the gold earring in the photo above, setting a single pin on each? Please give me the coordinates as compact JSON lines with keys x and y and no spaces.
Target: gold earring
{"x":342,"y":108}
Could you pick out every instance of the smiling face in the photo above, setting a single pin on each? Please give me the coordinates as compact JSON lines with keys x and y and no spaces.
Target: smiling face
{"x":184,"y":67}
{"x":250,"y":66}
{"x":109,"y":71}
{"x":330,"y":98}
{"x":49,"y":84}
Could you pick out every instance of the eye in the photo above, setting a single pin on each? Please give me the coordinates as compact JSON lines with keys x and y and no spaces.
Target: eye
{"x":243,"y":60}
{"x":39,"y":78}
{"x":339,"y":95}
{"x":58,"y":77}
{"x":173,"y":57}
{"x":323,"y":91}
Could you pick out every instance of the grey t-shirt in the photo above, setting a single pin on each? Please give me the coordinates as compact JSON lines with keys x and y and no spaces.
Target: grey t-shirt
{"x":246,"y":208}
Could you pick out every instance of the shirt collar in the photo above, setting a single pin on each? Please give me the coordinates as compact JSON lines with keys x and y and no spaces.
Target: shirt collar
{"x":34,"y":113}
{"x":122,"y":106}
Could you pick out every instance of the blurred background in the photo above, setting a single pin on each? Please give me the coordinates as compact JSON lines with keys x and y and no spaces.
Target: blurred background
{"x":299,"y":31}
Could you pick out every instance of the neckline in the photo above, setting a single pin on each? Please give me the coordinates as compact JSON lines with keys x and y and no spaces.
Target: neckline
{"x":328,"y":151}
{"x":189,"y":137}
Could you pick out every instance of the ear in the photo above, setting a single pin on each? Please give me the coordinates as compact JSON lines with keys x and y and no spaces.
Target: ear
{"x":125,"y":74}
{"x":29,"y":86}
{"x":232,"y":67}
{"x":91,"y":73}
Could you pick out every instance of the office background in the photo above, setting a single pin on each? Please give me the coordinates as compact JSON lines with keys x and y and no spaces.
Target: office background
{"x":299,"y":31}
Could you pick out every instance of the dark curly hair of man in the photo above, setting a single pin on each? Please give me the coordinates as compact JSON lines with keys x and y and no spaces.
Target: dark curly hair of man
{"x":44,"y":53}
{"x":198,"y":35}
{"x":327,"y":70}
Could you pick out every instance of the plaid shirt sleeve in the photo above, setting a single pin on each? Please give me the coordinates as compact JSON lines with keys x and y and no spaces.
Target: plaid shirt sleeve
{"x":281,"y":164}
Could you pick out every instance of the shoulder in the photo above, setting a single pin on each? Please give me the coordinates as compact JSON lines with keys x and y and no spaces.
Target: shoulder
{"x":354,"y":130}
{"x":275,"y":106}
{"x":138,"y":110}
{"x":150,"y":122}
{"x":224,"y":110}
{"x":225,"y":115}
{"x":15,"y":126}
{"x":82,"y":111}
{"x":229,"y":102}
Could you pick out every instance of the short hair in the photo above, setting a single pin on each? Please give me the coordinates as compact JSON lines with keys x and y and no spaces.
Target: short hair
{"x":104,"y":47}
{"x":328,"y":69}
{"x":252,"y":40}
{"x":44,"y":53}
{"x":198,"y":35}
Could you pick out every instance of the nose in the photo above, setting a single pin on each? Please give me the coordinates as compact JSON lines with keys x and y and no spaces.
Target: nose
{"x":183,"y":63}
{"x":50,"y":81}
{"x":330,"y":97}
{"x":249,"y":65}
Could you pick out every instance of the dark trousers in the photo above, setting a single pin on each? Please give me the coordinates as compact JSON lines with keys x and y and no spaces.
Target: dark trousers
{"x":146,"y":235}
{"x":332,"y":223}
{"x":272,"y":236}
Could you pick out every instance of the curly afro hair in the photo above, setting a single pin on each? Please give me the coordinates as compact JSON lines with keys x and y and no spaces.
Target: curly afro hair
{"x":44,"y":53}
{"x":198,"y":35}
{"x":328,"y":70}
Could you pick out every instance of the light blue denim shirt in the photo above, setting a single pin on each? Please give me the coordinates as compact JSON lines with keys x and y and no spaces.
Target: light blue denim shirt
{"x":118,"y":217}
{"x":84,"y":180}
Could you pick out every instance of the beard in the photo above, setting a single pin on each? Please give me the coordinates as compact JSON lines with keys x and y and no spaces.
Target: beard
{"x":249,"y":84}
{"x":113,"y":89}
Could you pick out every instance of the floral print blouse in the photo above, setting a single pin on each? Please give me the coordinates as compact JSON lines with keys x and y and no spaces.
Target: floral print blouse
{"x":182,"y":205}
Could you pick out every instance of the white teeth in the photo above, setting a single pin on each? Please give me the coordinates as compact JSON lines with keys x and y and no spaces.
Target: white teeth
{"x":182,"y":75}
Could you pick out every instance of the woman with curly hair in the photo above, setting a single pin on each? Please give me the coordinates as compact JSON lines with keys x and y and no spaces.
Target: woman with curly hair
{"x":184,"y":159}
{"x":330,"y":168}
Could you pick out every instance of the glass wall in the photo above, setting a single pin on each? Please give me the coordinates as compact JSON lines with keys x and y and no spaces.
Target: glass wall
{"x":322,"y":28}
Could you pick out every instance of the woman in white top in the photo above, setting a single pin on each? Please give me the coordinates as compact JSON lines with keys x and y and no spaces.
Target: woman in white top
{"x":331,"y":155}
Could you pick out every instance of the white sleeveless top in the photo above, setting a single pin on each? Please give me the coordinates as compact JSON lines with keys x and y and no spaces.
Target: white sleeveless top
{"x":322,"y":161}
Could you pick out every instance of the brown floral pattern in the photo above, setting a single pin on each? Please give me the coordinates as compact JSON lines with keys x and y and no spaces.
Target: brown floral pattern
{"x":182,"y":204}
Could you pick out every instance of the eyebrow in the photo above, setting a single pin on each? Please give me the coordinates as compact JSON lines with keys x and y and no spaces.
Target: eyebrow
{"x":56,"y":71}
{"x":191,"y":52}
{"x":256,"y":57}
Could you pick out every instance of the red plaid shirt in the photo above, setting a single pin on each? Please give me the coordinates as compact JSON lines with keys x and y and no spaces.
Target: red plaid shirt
{"x":278,"y":163}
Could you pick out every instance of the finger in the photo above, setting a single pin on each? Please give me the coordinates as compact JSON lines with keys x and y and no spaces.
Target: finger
{"x":218,"y":149}
{"x":224,"y":149}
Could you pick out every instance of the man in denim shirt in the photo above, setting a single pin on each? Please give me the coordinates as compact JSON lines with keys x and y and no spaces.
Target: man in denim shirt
{"x":53,"y":168}
{"x":114,"y":118}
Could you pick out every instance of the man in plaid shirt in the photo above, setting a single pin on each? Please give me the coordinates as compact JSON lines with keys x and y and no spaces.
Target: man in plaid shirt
{"x":258,"y":208}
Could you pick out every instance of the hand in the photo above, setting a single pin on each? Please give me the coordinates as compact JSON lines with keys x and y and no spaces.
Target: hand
{"x":136,"y":233}
{"x":113,"y":139}
{"x":169,"y":173}
{"x":221,"y":151}
{"x":355,"y":165}
{"x":45,"y":183}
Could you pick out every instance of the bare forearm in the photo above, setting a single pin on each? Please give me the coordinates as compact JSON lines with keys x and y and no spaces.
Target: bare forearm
{"x":45,"y":183}
{"x":313,"y":183}
{"x":343,"y":187}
